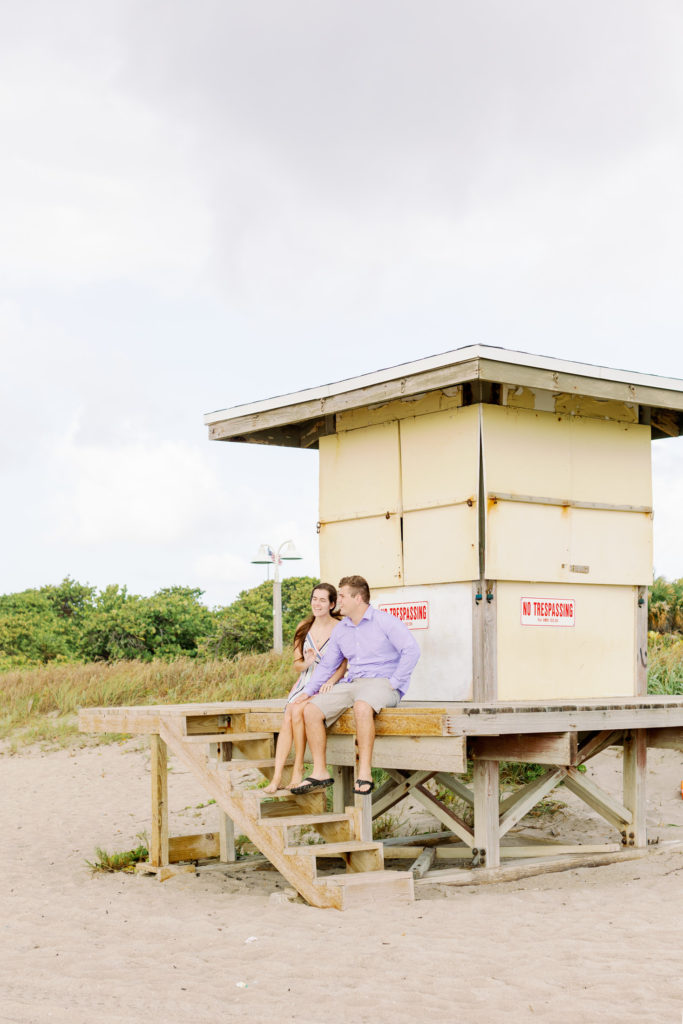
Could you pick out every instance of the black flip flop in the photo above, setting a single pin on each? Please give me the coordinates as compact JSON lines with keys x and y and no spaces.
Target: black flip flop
{"x":310,"y":783}
{"x":363,"y":782}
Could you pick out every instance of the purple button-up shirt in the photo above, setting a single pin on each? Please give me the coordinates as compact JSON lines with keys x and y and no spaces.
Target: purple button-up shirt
{"x":379,"y":647}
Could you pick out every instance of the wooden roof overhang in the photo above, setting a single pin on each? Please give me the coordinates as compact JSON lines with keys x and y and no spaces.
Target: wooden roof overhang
{"x":299,"y":419}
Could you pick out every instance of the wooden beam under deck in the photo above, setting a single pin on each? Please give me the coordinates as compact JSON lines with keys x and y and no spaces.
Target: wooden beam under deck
{"x":411,"y":719}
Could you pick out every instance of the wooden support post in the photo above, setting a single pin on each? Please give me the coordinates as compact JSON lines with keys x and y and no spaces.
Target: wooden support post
{"x":363,"y":805}
{"x":486,"y":801}
{"x":641,"y":642}
{"x":342,"y":793}
{"x":635,"y":771}
{"x":158,"y":843}
{"x":484,"y":641}
{"x":226,"y":834}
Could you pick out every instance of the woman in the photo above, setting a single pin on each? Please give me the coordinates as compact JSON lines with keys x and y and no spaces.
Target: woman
{"x":309,"y":640}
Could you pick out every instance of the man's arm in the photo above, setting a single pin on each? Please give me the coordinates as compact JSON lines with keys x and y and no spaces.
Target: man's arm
{"x":408,"y":649}
{"x":326,"y":667}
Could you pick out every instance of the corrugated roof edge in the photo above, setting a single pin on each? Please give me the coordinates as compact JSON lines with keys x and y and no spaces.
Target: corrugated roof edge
{"x":445,"y":359}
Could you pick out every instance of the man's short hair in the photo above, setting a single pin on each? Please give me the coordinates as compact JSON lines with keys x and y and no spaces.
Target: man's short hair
{"x":357,"y":585}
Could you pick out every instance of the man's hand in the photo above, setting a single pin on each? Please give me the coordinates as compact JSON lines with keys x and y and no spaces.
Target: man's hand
{"x":300,"y":698}
{"x":309,"y":657}
{"x":327,"y":687}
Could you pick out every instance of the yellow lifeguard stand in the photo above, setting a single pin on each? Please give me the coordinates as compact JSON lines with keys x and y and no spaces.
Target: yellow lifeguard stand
{"x":500,"y":503}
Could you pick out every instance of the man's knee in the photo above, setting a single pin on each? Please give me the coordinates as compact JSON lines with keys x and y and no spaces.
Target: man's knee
{"x":312,"y":712}
{"x":362,"y":710}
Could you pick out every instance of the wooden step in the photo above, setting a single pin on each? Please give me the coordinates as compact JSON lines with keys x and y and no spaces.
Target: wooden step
{"x":333,"y":849}
{"x":227,"y":737}
{"x":360,"y":888}
{"x":292,"y":820}
{"x":240,"y":763}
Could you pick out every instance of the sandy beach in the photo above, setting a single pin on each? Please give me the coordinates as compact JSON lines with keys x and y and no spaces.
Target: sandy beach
{"x":589,"y":945}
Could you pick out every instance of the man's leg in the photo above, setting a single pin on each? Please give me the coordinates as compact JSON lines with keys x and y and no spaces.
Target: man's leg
{"x":365,"y":737}
{"x":371,"y":696}
{"x":316,"y":734}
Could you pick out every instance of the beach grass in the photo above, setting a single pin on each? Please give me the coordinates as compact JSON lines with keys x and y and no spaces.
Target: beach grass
{"x":41,"y":704}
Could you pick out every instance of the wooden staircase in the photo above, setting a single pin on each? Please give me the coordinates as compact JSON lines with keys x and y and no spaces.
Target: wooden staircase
{"x":273,"y":822}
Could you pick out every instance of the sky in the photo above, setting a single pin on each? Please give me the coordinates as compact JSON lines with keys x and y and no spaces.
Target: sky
{"x":208,"y":203}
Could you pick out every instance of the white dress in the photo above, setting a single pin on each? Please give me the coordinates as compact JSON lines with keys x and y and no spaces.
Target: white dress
{"x":308,"y":645}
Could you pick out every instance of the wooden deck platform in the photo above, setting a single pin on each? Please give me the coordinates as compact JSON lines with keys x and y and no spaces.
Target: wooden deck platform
{"x":416,"y":743}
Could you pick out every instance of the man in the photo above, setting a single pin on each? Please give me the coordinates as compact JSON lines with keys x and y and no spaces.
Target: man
{"x":381,"y":653}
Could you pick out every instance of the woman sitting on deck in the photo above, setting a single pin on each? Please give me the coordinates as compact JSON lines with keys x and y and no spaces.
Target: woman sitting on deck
{"x":310,"y":638}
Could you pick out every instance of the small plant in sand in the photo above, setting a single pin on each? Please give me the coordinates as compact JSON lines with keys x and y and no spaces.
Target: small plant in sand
{"x":124,"y":861}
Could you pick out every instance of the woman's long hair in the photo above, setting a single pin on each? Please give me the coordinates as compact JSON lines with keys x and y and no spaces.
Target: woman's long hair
{"x":303,"y":627}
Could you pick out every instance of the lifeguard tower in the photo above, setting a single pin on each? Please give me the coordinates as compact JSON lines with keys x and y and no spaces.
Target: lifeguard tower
{"x":501,"y":505}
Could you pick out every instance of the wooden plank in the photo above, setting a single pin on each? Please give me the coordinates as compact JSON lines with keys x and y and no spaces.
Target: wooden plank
{"x":527,"y":798}
{"x":362,"y":803}
{"x":332,"y":849}
{"x":158,"y":839}
{"x":226,"y":835}
{"x":456,"y":787}
{"x":442,"y":813}
{"x":596,"y":408}
{"x":381,"y":392}
{"x":490,"y":641}
{"x":596,"y":744}
{"x":526,"y":852}
{"x":501,"y":723}
{"x":486,"y":801}
{"x":164,"y":871}
{"x":576,"y":384}
{"x":635,"y":784}
{"x":342,"y":792}
{"x":478,"y":675}
{"x":400,"y":721}
{"x":128,"y":720}
{"x":445,"y":753}
{"x":298,"y":820}
{"x":423,"y":862}
{"x":513,"y":872}
{"x":606,"y":806}
{"x":641,"y":640}
{"x":539,"y":748}
{"x":666,"y":421}
{"x":197,"y":847}
{"x":666,"y":739}
{"x":227,"y":737}
{"x":393,"y":792}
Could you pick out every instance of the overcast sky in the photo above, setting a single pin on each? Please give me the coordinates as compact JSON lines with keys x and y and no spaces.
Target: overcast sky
{"x":206,"y":203}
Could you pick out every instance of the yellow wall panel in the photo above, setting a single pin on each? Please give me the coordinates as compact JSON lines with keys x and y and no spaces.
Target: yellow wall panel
{"x":594,"y":658}
{"x":359,"y":472}
{"x":543,"y":542}
{"x":541,"y":455}
{"x":440,"y":545}
{"x":365,"y":547}
{"x":440,"y":458}
{"x":566,"y":457}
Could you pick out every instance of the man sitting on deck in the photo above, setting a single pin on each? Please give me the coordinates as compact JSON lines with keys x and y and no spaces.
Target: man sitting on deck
{"x":381,"y":654}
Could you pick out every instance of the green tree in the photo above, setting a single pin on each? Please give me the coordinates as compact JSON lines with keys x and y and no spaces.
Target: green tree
{"x":169,"y":623}
{"x":247,"y":624}
{"x":665,"y":609}
{"x":31,"y":630}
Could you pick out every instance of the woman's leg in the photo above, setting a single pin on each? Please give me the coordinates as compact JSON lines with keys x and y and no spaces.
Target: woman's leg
{"x":282,"y":749}
{"x":299,"y":733}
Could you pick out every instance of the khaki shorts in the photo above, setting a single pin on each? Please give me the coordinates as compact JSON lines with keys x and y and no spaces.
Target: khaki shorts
{"x":379,"y":693}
